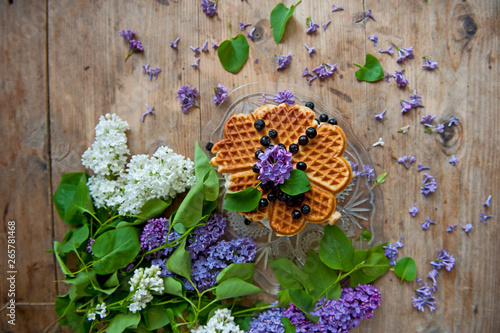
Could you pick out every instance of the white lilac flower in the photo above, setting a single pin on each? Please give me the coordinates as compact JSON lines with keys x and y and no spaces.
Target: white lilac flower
{"x":108,"y":154}
{"x":221,"y":322}
{"x":141,"y":284}
{"x":91,"y":316}
{"x":380,"y":142}
{"x":101,"y":308}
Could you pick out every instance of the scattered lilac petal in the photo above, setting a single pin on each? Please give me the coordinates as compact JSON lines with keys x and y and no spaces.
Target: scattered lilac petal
{"x":145,"y":69}
{"x":391,"y":252}
{"x":311,"y":79}
{"x":432,"y":275}
{"x":453,"y":161}
{"x":485,"y":217}
{"x":380,"y":116}
{"x":250,"y":34}
{"x":453,"y":121}
{"x":284,"y":96}
{"x":306,"y":72}
{"x":439,"y":128}
{"x":488,"y":201}
{"x":404,"y":54}
{"x":451,"y":228}
{"x":368,"y":172}
{"x":427,"y":119}
{"x":209,"y":7}
{"x":215,"y":46}
{"x":243,"y":26}
{"x":325,"y":70}
{"x":336,"y":9}
{"x":283,"y":61}
{"x":444,"y":260}
{"x":326,"y":25}
{"x":467,"y":227}
{"x":204,"y":48}
{"x":256,"y":61}
{"x":154,"y":73}
{"x":220,"y":94}
{"x":195,"y":63}
{"x":174,"y":43}
{"x":150,"y":111}
{"x":413,"y":211}
{"x":418,"y":281}
{"x":429,"y":185}
{"x":406,"y":161}
{"x":387,"y":76}
{"x":196,"y":51}
{"x":406,"y":106}
{"x":310,"y":50}
{"x":421,"y":167}
{"x":415,"y":100}
{"x":388,"y":51}
{"x":374,"y":39}
{"x":369,"y":15}
{"x":425,"y":225}
{"x":430,"y":65}
{"x":312,"y":26}
{"x":424,"y":298}
{"x":263,"y":99}
{"x":400,"y":79}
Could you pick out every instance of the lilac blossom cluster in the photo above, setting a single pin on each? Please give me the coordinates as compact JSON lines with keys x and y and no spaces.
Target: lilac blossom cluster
{"x":392,"y":252}
{"x":220,"y":94}
{"x":311,"y":26}
{"x":324,"y":70}
{"x":267,"y":321}
{"x":429,"y":185}
{"x":338,"y":315}
{"x":367,"y":171}
{"x":309,"y":77}
{"x":283,"y":96}
{"x":209,"y":7}
{"x":155,"y":234}
{"x":412,"y":103}
{"x":188,"y":97}
{"x":404,"y":54}
{"x":151,"y":71}
{"x":134,"y":45}
{"x":275,"y":165}
{"x":283,"y":61}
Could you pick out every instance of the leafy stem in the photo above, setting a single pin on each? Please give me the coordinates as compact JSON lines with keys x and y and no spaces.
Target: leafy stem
{"x":339,"y":278}
{"x":239,"y":313}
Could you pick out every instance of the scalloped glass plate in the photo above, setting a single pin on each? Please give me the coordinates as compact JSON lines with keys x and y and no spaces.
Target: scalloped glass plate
{"x":360,"y":206}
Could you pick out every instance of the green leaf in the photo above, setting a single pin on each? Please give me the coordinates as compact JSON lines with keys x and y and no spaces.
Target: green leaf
{"x":72,"y":198}
{"x":180,"y":261}
{"x":284,"y":299}
{"x":289,"y":328}
{"x":80,"y":286}
{"x":365,"y":236}
{"x":376,"y":249}
{"x":211,"y":185}
{"x":297,"y":183}
{"x":171,"y":319}
{"x":376,"y":265}
{"x":153,"y":208}
{"x":321,"y":277}
{"x":304,"y":302}
{"x":380,"y":180}
{"x":242,"y":201}
{"x":208,"y":208}
{"x":63,"y":305}
{"x":335,"y":249}
{"x":243,"y":322}
{"x":112,"y":281}
{"x":61,"y":259}
{"x":279,"y":17}
{"x":122,"y":321}
{"x":372,"y":71}
{"x":190,"y":210}
{"x":115,"y":249}
{"x":244,"y":272}
{"x":206,"y":174}
{"x":289,"y":275}
{"x":406,"y":269}
{"x":78,"y":236}
{"x":173,"y":286}
{"x":235,"y":287}
{"x":154,"y":318}
{"x":233,"y":53}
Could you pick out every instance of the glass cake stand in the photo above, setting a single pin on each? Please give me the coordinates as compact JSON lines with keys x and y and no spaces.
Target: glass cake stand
{"x":360,"y":206}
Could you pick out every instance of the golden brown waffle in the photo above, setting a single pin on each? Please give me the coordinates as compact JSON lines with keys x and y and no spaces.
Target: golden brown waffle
{"x":329,"y":173}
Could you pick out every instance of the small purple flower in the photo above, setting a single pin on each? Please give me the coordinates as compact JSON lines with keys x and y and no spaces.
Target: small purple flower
{"x":267,"y":321}
{"x":89,"y":246}
{"x":451,"y":228}
{"x":354,"y":168}
{"x":430,"y":65}
{"x":283,"y":61}
{"x":413,"y":211}
{"x":312,"y":26}
{"x":243,"y":26}
{"x":444,"y":260}
{"x":188,"y":97}
{"x":154,"y":72}
{"x":485,"y":217}
{"x":174,"y":43}
{"x":284,"y":96}
{"x":326,"y":25}
{"x":467,"y":227}
{"x":392,"y":252}
{"x":388,"y":51}
{"x":215,"y":46}
{"x":427,"y":119}
{"x":453,"y":161}
{"x":418,"y":281}
{"x":369,"y":15}
{"x":406,"y":106}
{"x":275,"y":165}
{"x":127,"y":34}
{"x":135,"y":45}
{"x":336,"y":9}
{"x":424,"y":298}
{"x":206,"y":235}
{"x":453,"y":121}
{"x":325,"y":70}
{"x":310,"y":50}
{"x":155,"y":234}
{"x":149,"y":112}
{"x":421,"y":167}
{"x":263,"y":99}
{"x":204,"y":48}
{"x":374,"y":39}
{"x":488,"y":201}
{"x":429,"y":185}
{"x":220,"y":94}
{"x":425,"y":225}
{"x":209,"y":7}
{"x":145,"y":69}
{"x":406,"y":161}
{"x":387,"y":76}
{"x":380,"y":116}
{"x":311,"y":79}
{"x":256,"y":61}
{"x":306,"y":72}
{"x":400,"y":79}
{"x":250,"y":34}
{"x":404,"y":54}
{"x":196,"y":51}
{"x":368,"y":172}
{"x":195,"y":63}
{"x":432,"y":275}
{"x":439,"y":128}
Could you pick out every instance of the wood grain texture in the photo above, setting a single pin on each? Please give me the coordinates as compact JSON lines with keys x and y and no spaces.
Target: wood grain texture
{"x":87,"y":77}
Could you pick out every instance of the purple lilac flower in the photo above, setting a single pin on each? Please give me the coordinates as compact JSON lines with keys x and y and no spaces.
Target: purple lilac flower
{"x":415,"y":99}
{"x":424,"y":298}
{"x":387,"y":76}
{"x":430,"y":65}
{"x":206,"y":235}
{"x":196,"y":51}
{"x":426,"y":225}
{"x":439,"y":128}
{"x":256,"y":61}
{"x":174,"y":43}
{"x":404,"y":54}
{"x":275,"y":165}
{"x":220,"y":94}
{"x":89,"y":246}
{"x":485,"y":217}
{"x":406,"y":106}
{"x":310,"y":77}
{"x":155,"y":234}
{"x":354,"y":168}
{"x":413,"y":211}
{"x":195,"y":63}
{"x":418,"y":281}
{"x":188,"y":97}
{"x":336,"y":9}
{"x":374,"y":39}
{"x":284,"y":96}
{"x":263,"y":98}
{"x":267,"y":321}
{"x":444,"y":260}
{"x":310,"y":50}
{"x":325,"y":70}
{"x":453,"y":121}
{"x":149,"y":112}
{"x":250,"y":34}
{"x":421,"y":167}
{"x":388,"y":51}
{"x":392,"y":252}
{"x":368,"y":172}
{"x":488,"y":201}
{"x":127,"y":34}
{"x":451,"y":228}
{"x":312,"y":26}
{"x":400,"y":79}
{"x":453,"y":161}
{"x":432,"y":275}
{"x":283,"y":61}
{"x":427,"y":119}
{"x":429,"y":185}
{"x":380,"y":116}
{"x":467,"y":227}
{"x":214,"y":45}
{"x":406,"y":161}
{"x":154,"y":72}
{"x":243,"y":26}
{"x":209,"y":7}
{"x":145,"y":69}
{"x":135,"y":45}
{"x":326,"y":25}
{"x":369,"y":15}
{"x":204,"y":48}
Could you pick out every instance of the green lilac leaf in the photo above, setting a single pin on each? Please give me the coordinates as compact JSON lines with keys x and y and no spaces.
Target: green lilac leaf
{"x":376,"y":249}
{"x":62,"y":305}
{"x":115,"y":249}
{"x":284,"y":298}
{"x":152,"y":208}
{"x":321,"y":277}
{"x":72,"y":198}
{"x":201,"y":163}
{"x":244,"y":272}
{"x":371,"y":71}
{"x":78,"y":236}
{"x":233,"y":53}
{"x":289,"y":328}
{"x":154,"y":318}
{"x":208,"y":208}
{"x":376,"y":265}
{"x":80,"y":286}
{"x":406,"y":269}
{"x":289,"y":275}
{"x":279,"y":18}
{"x":235,"y":287}
{"x":242,"y":201}
{"x":112,"y":281}
{"x":365,"y":236}
{"x":61,"y":259}
{"x":180,"y":261}
{"x":171,"y":319}
{"x":335,"y":249}
{"x":173,"y":286}
{"x":304,"y":302}
{"x":297,"y":183}
{"x":381,"y":178}
{"x":191,"y":208}
{"x":122,"y":321}
{"x":243,"y":322}
{"x":206,"y":174}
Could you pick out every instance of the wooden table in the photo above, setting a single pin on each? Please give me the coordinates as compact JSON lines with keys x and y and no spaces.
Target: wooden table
{"x":61,"y":67}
